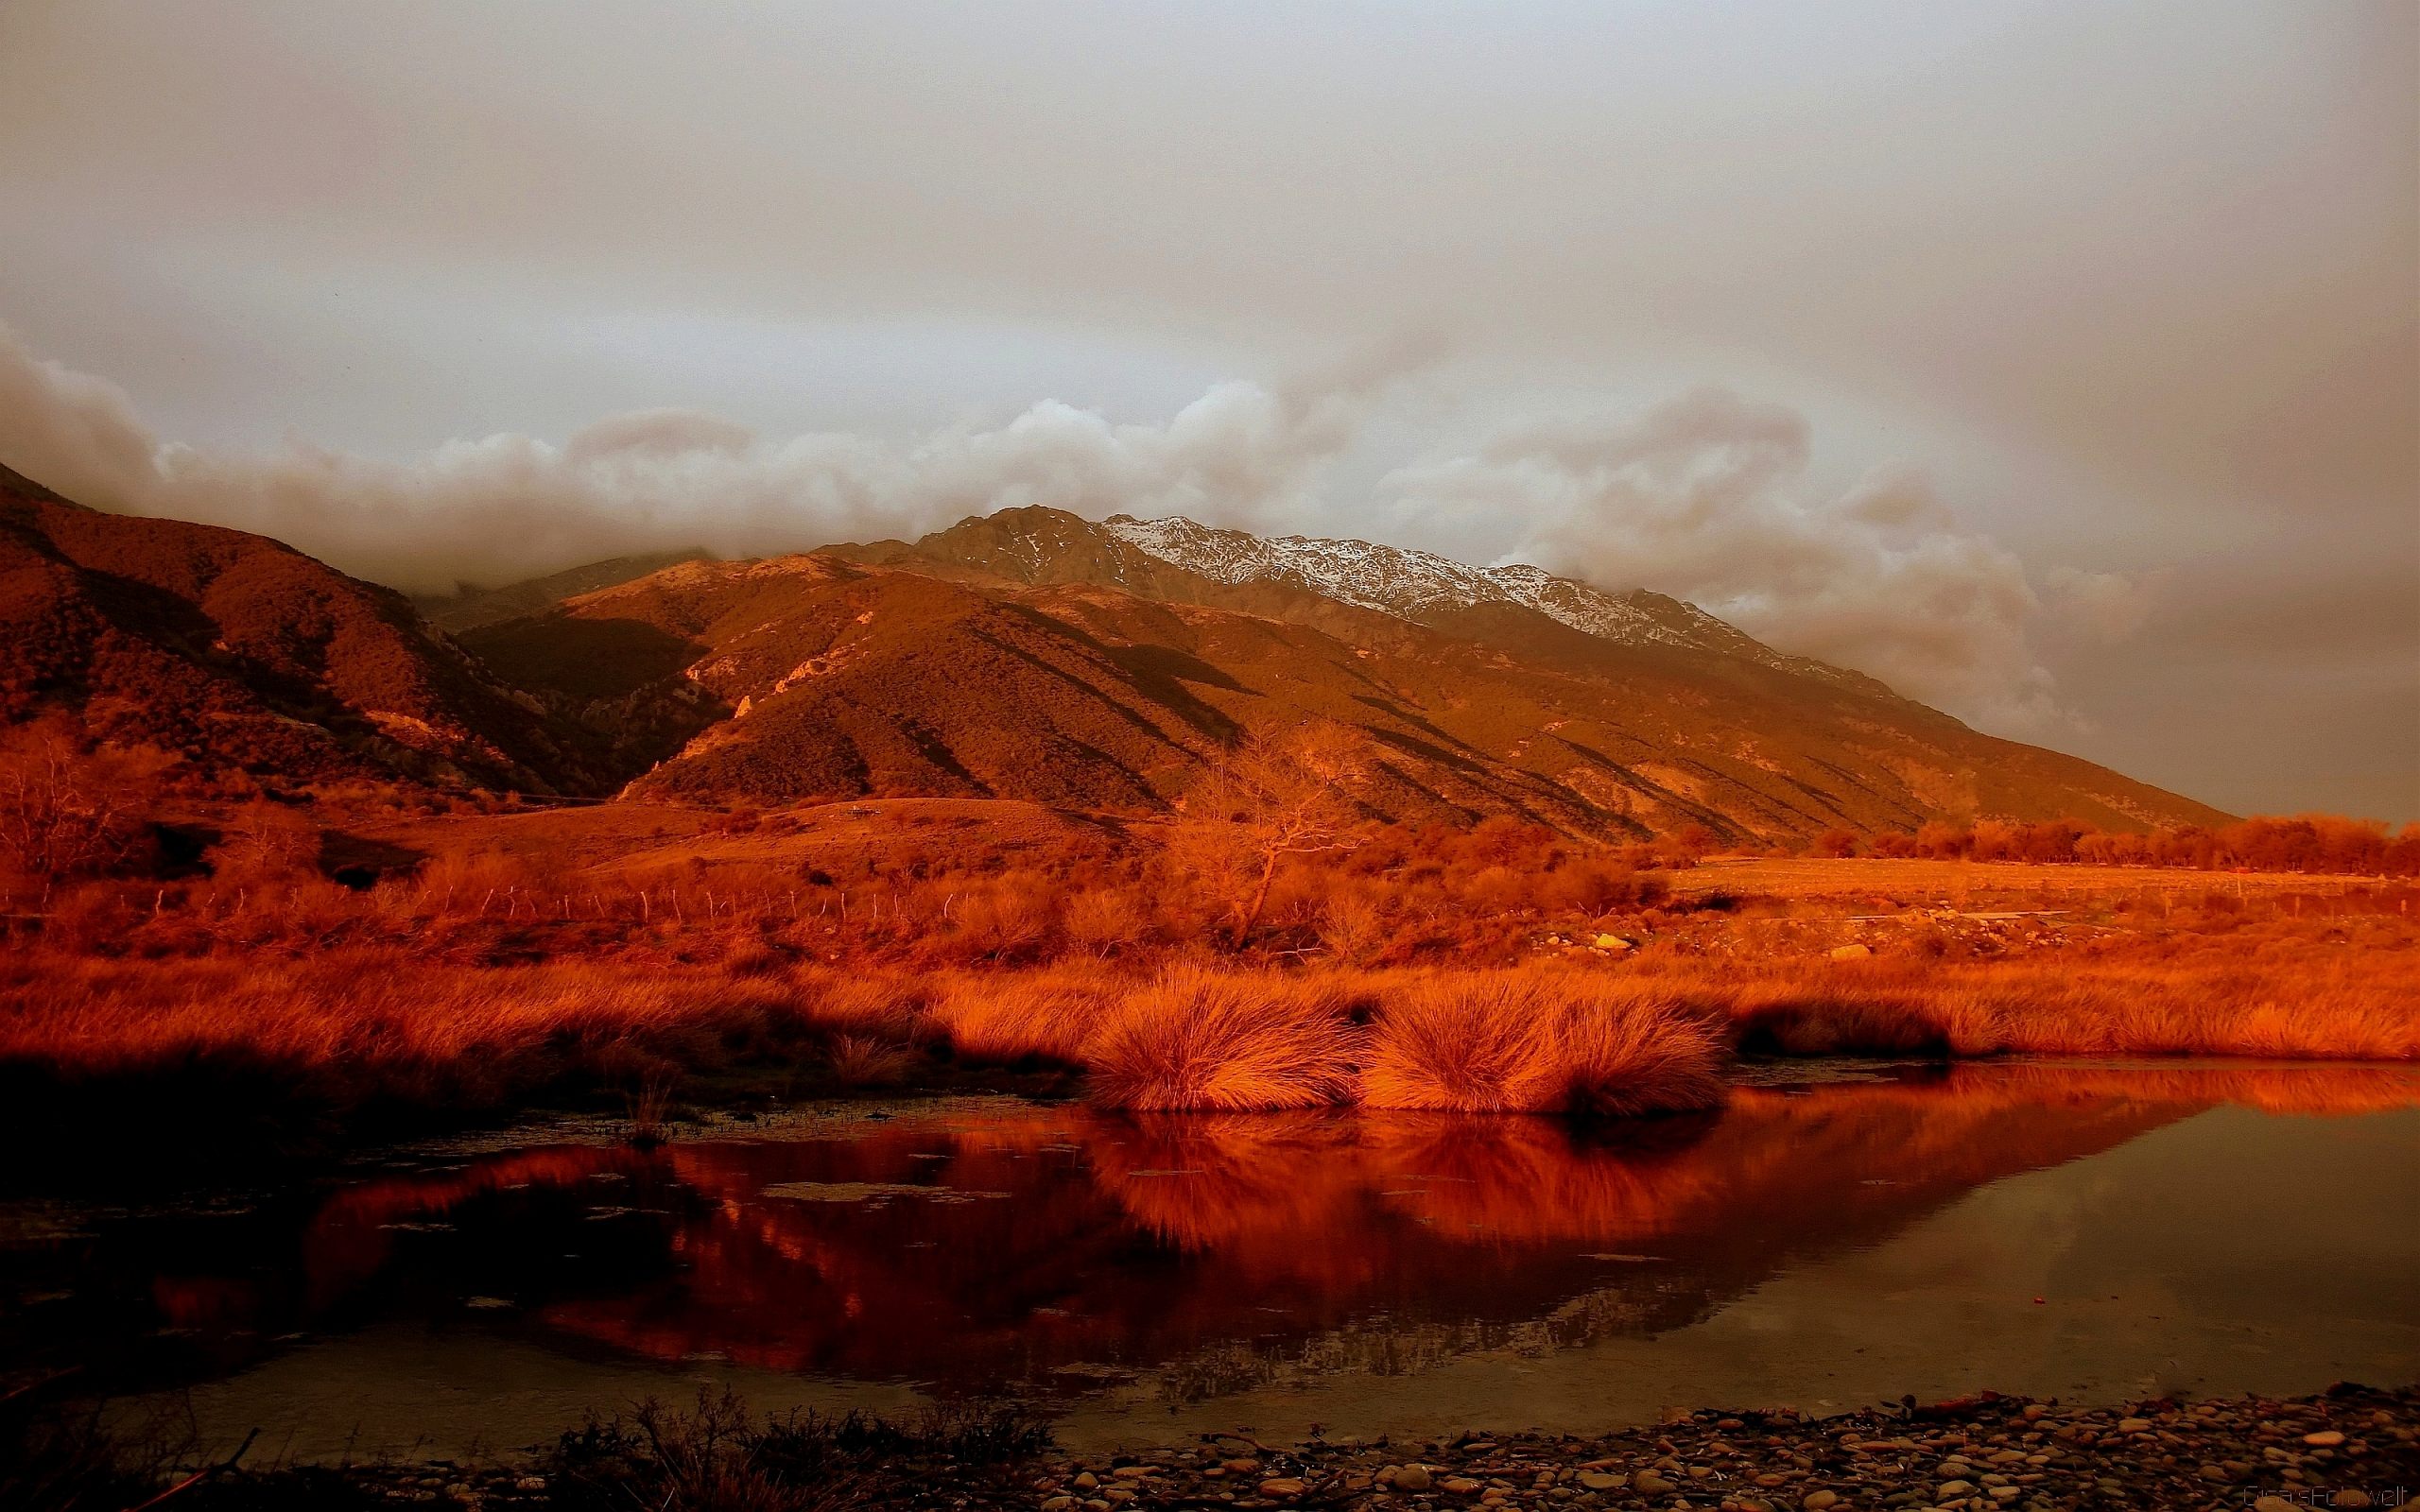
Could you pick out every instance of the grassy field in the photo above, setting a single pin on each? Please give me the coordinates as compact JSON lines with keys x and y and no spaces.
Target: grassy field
{"x":630,"y":956}
{"x":380,"y":1035}
{"x":1950,"y":880}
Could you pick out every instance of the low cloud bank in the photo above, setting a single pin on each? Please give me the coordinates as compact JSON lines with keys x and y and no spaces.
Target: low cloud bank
{"x":1703,"y":498}
{"x":509,"y":507}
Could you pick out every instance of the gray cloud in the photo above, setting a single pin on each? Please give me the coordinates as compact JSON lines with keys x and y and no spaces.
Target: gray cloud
{"x":2129,"y":282}
{"x":1706,"y":497}
{"x":508,"y":507}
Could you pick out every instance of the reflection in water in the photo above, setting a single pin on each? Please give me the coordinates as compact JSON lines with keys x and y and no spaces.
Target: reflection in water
{"x":1056,"y":1249}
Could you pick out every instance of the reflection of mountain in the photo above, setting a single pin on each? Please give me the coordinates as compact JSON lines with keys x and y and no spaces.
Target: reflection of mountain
{"x":1139,"y":1243}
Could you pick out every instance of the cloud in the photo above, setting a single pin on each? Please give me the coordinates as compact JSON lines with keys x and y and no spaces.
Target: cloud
{"x":2104,"y":607}
{"x":509,"y":507}
{"x":1706,"y":497}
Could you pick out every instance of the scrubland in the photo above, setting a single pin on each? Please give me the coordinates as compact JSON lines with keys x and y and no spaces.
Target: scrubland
{"x":349,"y":961}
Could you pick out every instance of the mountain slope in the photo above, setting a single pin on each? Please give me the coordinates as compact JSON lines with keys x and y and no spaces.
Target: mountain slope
{"x":812,"y":677}
{"x":826,"y":676}
{"x":241,"y":652}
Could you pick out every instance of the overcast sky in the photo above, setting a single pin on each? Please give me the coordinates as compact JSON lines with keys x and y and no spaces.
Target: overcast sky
{"x":2059,"y":363}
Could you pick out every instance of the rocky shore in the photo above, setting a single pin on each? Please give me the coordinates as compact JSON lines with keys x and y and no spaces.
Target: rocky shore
{"x":2352,"y":1447}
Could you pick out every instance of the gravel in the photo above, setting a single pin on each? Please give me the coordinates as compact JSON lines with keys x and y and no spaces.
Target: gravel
{"x":2350,"y":1447}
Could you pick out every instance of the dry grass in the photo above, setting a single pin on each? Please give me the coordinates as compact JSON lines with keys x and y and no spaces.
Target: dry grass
{"x":369,"y":1026}
{"x":371,"y":1030}
{"x":1864,"y":876}
{"x":1539,"y":1041}
{"x":2304,"y":1007}
{"x":1223,"y":1042}
{"x":1018,"y":1018}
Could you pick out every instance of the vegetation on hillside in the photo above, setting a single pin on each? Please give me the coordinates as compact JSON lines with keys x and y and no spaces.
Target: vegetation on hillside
{"x":1265,"y":949}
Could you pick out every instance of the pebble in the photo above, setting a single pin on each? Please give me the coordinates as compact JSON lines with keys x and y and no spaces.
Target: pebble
{"x":2346,"y":1449}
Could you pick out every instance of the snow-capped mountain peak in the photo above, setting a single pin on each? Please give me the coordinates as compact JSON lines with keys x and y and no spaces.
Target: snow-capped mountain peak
{"x":1417,"y":585}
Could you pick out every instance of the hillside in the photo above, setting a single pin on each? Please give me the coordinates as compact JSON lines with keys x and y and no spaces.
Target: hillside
{"x":240,"y":652}
{"x":828,"y":676}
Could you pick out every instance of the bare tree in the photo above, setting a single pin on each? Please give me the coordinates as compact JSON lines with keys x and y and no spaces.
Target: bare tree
{"x":1274,"y":795}
{"x":67,"y":810}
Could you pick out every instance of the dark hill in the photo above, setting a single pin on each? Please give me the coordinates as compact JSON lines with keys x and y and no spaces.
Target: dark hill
{"x":238,"y":651}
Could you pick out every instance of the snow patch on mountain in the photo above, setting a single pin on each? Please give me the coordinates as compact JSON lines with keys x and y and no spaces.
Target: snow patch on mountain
{"x":1414,"y":585}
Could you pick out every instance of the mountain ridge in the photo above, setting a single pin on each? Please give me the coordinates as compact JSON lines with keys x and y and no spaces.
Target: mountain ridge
{"x":1410,"y":583}
{"x":1180,"y":560}
{"x":1028,"y":654}
{"x":1078,"y":670}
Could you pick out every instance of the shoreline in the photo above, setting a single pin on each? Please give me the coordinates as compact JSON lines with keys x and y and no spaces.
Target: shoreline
{"x":2350,"y":1446}
{"x":123,"y":1152}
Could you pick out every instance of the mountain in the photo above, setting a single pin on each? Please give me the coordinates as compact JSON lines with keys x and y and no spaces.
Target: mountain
{"x":810,"y":676}
{"x":1028,"y":654}
{"x":1428,"y":590}
{"x":1035,"y":655}
{"x":240,"y":652}
{"x":470,"y":607}
{"x":1178,"y":559}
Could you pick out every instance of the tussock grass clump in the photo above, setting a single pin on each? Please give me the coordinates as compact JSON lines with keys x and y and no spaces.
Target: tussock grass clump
{"x":1214,"y":1041}
{"x":1471,"y":1043}
{"x":1024,"y":1018}
{"x":1623,"y":1057}
{"x":1535,"y":1043}
{"x":860,"y":1061}
{"x":1875,"y":1022}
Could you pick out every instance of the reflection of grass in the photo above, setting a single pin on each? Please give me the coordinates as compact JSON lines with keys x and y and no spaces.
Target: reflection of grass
{"x":1280,"y":1227}
{"x":1394,"y":1347}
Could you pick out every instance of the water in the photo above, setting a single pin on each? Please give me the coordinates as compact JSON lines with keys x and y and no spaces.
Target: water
{"x":2092,"y":1232}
